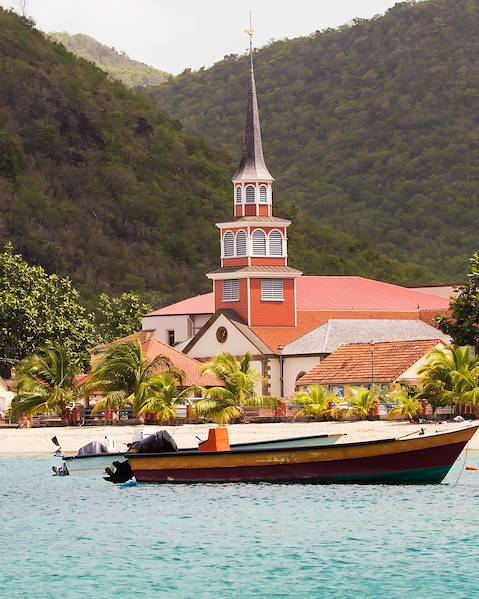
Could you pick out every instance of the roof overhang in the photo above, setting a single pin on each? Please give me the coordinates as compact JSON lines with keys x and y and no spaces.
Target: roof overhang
{"x":252,"y":275}
{"x":241,"y":224}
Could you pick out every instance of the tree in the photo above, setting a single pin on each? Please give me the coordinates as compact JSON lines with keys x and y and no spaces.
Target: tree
{"x":119,"y":316}
{"x":126,"y":376}
{"x":164,"y":396}
{"x":316,"y":403}
{"x":463,"y":326}
{"x":362,"y":403}
{"x":38,"y":309}
{"x":224,"y":404}
{"x":451,"y":377}
{"x":409,"y":407}
{"x":46,"y":382}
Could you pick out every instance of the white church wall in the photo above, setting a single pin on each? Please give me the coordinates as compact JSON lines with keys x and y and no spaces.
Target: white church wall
{"x":208,"y":345}
{"x":181,"y":325}
{"x":292,"y":366}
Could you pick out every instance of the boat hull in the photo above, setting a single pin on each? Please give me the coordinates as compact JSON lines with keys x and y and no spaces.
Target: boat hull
{"x":91,"y":464}
{"x":421,"y":460}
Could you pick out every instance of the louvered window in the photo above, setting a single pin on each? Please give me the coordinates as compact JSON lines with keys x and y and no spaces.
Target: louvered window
{"x":238,"y":195}
{"x":231,"y":291}
{"x":272,"y":290}
{"x":241,"y":243}
{"x":250,"y":194}
{"x":259,"y":243}
{"x":229,"y":245}
{"x":275,"y":243}
{"x":263,"y":194}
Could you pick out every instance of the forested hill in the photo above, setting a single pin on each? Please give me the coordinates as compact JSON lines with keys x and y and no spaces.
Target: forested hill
{"x":373,"y":128}
{"x":99,"y":184}
{"x":117,"y":64}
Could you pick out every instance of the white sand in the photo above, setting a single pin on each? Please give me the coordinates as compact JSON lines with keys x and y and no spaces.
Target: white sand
{"x":38,"y":441}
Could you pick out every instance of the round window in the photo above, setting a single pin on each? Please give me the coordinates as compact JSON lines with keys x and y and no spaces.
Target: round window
{"x":221,"y":334}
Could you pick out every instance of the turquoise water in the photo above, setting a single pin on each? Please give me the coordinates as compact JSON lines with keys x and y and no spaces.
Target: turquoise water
{"x":82,"y":537}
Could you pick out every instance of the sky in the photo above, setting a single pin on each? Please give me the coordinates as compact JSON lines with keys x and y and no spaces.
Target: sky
{"x":173,"y":35}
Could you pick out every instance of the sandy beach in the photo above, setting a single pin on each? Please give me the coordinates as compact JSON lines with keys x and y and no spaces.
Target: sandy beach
{"x":38,"y":441}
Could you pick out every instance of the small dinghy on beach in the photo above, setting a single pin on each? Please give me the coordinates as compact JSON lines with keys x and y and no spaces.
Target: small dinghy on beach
{"x":419,"y":459}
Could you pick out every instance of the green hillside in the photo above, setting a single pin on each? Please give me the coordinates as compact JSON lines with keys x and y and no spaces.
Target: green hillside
{"x":99,"y":184}
{"x":117,"y":64}
{"x":372,"y":128}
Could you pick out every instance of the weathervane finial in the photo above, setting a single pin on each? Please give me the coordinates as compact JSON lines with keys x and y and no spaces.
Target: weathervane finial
{"x":250,"y":32}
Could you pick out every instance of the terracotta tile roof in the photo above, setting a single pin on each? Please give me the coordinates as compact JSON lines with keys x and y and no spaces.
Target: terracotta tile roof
{"x":153,"y":348}
{"x":332,"y":294}
{"x":353,"y":363}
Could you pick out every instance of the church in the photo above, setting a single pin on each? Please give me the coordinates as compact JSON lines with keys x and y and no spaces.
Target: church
{"x":260,"y":304}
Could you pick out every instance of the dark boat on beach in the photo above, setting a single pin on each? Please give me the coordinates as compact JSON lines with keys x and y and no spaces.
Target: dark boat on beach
{"x":422,"y":459}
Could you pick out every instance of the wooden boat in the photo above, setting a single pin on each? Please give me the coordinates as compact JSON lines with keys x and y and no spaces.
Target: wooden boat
{"x":413,"y":460}
{"x":96,"y":463}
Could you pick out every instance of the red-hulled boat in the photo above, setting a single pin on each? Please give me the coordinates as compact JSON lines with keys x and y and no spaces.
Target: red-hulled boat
{"x":417,"y":460}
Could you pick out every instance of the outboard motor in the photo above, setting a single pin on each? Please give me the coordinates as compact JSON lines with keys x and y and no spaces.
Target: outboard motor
{"x":93,"y":448}
{"x":160,"y":442}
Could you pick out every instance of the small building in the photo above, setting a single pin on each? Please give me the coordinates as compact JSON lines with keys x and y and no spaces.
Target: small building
{"x":366,"y":364}
{"x":7,"y":393}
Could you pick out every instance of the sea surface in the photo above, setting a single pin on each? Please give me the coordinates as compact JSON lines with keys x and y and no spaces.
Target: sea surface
{"x":83,"y":537}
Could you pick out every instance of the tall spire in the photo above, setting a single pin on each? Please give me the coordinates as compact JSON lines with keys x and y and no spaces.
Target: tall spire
{"x":252,"y":165}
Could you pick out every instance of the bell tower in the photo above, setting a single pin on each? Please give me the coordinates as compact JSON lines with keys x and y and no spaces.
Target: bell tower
{"x":255,"y":279}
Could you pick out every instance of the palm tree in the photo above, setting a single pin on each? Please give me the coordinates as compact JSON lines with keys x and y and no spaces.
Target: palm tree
{"x":164,"y":396}
{"x":451,"y":377}
{"x":45,"y":382}
{"x":361,"y":403}
{"x":224,"y":404}
{"x":316,"y":402}
{"x":409,"y":407}
{"x":125,"y":375}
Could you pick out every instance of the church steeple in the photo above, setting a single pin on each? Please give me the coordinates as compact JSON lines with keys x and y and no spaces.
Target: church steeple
{"x":252,"y":165}
{"x":254,"y":279}
{"x":253,"y":183}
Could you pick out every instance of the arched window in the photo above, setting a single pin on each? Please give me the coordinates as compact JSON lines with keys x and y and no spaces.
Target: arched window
{"x":250,"y":194}
{"x":275,"y":243}
{"x":229,"y":245}
{"x":259,"y":243}
{"x":241,"y":243}
{"x":263,"y":194}
{"x":238,"y":194}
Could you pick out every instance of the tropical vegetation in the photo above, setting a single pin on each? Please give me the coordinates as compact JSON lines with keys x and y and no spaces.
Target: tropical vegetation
{"x":407,"y":407}
{"x":451,"y":377}
{"x":315,"y":403}
{"x":372,"y":127}
{"x":46,"y":383}
{"x":224,"y":404}
{"x":116,"y":63}
{"x":360,"y":404}
{"x":463,"y":323}
{"x":37,"y":309}
{"x":126,"y":376}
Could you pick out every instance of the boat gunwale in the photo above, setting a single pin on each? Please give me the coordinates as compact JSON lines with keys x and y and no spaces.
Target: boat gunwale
{"x":195,"y":449}
{"x":332,"y":447}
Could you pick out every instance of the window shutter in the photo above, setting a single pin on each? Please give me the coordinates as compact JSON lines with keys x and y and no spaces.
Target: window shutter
{"x":259,"y":243}
{"x":229,"y":245}
{"x":238,"y":195}
{"x":250,"y":194}
{"x":241,"y":243}
{"x":231,"y":292}
{"x":272,"y":290}
{"x":263,"y":194}
{"x":275,"y":243}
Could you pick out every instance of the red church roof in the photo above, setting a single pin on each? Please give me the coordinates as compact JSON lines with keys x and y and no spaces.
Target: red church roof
{"x":332,"y":293}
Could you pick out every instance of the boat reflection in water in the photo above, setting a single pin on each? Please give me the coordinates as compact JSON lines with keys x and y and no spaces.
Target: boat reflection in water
{"x":414,"y":460}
